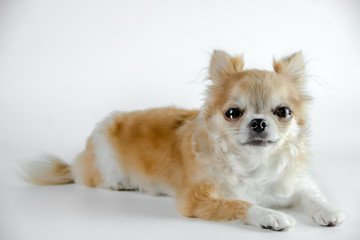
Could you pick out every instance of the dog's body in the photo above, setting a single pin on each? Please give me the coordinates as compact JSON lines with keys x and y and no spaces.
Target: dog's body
{"x":241,"y":154}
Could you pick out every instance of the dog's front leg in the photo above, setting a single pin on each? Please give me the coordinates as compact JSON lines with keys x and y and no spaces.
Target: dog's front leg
{"x":200,"y":202}
{"x":310,"y":200}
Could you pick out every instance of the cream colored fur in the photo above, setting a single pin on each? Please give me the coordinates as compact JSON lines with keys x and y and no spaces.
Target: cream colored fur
{"x":217,"y":167}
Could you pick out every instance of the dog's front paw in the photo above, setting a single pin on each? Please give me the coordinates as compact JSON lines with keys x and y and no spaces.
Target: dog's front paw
{"x":327,"y":217}
{"x":269,"y":219}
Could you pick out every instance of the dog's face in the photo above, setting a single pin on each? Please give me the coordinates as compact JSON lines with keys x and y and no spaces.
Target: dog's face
{"x":255,"y":109}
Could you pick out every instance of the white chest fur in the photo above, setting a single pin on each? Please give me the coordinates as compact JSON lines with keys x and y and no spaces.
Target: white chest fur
{"x":256,"y":175}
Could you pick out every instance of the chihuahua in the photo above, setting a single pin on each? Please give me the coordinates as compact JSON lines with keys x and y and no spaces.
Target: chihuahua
{"x":243,"y":153}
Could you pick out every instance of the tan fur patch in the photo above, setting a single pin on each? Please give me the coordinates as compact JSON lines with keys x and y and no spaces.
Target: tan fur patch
{"x":61,"y":170}
{"x":198,"y":202}
{"x":148,"y":144}
{"x":90,"y":175}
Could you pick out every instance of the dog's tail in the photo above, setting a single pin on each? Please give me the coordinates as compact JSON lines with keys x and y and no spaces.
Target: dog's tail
{"x":49,"y":170}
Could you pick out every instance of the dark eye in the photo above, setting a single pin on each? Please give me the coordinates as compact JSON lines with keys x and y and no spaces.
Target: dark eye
{"x":233,"y":113}
{"x":283,"y":112}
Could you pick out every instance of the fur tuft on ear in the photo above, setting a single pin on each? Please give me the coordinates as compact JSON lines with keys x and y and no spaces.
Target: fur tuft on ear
{"x":292,"y":65}
{"x":222,"y":65}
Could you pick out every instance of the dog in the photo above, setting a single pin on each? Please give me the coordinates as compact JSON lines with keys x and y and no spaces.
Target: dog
{"x":243,"y":153}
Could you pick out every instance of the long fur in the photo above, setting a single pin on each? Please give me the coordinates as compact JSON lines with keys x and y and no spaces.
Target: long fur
{"x":49,"y":170}
{"x":213,"y":165}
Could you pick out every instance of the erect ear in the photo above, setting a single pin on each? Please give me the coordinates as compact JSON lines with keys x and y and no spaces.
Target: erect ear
{"x":292,"y":65}
{"x":222,"y":65}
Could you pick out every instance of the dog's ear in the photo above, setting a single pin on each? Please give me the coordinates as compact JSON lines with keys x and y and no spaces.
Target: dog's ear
{"x":222,"y":65}
{"x":292,"y":65}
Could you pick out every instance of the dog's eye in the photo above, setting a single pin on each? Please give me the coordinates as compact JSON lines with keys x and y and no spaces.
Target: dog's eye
{"x":283,"y":112}
{"x":233,"y":113}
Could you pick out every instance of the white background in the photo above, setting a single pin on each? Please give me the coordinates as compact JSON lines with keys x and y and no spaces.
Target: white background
{"x":64,"y":65}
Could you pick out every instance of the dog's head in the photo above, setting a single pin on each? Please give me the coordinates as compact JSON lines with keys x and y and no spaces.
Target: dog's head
{"x":255,"y":109}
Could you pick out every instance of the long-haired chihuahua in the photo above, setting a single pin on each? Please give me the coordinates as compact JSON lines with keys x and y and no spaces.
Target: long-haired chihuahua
{"x":243,"y":153}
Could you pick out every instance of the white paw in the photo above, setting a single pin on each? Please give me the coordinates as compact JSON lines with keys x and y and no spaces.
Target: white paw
{"x":328,"y":217}
{"x":269,"y":219}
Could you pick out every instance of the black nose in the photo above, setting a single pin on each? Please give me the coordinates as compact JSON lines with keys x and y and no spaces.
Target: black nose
{"x":258,"y":125}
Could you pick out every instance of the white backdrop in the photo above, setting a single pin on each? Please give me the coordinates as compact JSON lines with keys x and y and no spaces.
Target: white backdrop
{"x":64,"y":65}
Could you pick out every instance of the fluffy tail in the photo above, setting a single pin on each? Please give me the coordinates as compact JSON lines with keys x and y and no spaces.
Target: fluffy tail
{"x":48,"y":171}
